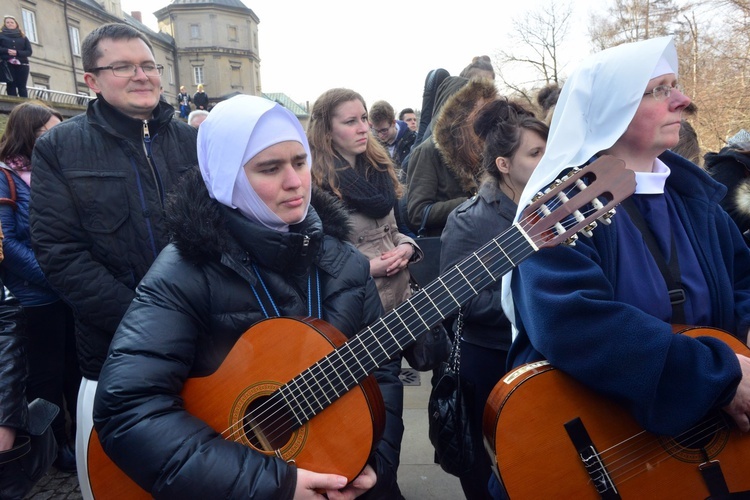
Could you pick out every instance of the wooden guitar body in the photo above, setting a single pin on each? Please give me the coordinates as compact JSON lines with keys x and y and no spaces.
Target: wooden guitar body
{"x":534,"y":455}
{"x":339,"y":440}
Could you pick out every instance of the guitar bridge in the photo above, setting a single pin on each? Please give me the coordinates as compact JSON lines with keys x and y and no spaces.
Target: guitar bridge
{"x":591,"y":460}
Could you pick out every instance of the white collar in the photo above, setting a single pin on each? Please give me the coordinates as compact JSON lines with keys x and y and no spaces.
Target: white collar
{"x":652,"y":182}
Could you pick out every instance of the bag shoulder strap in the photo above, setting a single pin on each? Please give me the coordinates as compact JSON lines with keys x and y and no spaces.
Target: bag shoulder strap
{"x":423,"y":226}
{"x":21,"y":448}
{"x":12,"y":188}
{"x":671,"y":271}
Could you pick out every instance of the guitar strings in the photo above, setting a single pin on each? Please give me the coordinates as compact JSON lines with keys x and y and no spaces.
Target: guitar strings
{"x":308,"y":388}
{"x":273,"y":409}
{"x":644,"y":451}
{"x":263,"y":411}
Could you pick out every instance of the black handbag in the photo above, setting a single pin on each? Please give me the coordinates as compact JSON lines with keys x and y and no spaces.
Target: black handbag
{"x":32,"y":453}
{"x":427,"y":269}
{"x":448,"y":415}
{"x":429,"y":350}
{"x":5,"y":74}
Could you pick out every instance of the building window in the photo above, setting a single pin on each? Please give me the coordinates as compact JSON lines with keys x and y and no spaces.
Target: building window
{"x":236,"y":78}
{"x":40,"y":80}
{"x":29,"y":25}
{"x":75,"y":40}
{"x":171,"y":74}
{"x":198,"y":75}
{"x":195,"y":31}
{"x":232,"y":33}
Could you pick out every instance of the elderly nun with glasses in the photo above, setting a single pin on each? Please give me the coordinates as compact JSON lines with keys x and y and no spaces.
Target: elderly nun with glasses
{"x":603,"y":310}
{"x":250,"y":241}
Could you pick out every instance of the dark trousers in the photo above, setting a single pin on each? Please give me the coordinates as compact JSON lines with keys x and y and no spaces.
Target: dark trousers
{"x":20,"y":73}
{"x":53,"y":367}
{"x":481,"y":367}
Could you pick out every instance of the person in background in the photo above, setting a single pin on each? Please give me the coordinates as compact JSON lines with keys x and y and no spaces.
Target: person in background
{"x":514,"y":142}
{"x":408,"y":116}
{"x":547,"y":98}
{"x":101,"y":181}
{"x":200,"y":98}
{"x":184,"y":100}
{"x":53,"y":368}
{"x":731,"y":167}
{"x":395,"y":135}
{"x":444,"y":170}
{"x":601,"y":311}
{"x":15,"y":49}
{"x":263,"y":249}
{"x":349,"y":164}
{"x":480,"y":67}
{"x":196,"y":117}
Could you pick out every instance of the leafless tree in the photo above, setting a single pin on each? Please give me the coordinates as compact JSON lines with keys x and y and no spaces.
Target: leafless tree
{"x":533,"y":58}
{"x":634,"y":20}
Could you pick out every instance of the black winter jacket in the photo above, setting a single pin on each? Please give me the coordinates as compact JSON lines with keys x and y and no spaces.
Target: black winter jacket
{"x":16,"y":42}
{"x":13,"y":409}
{"x":97,"y":212}
{"x":190,"y":309}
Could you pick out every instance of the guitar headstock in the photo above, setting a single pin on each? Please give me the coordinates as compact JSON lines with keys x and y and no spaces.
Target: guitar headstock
{"x":575,"y":202}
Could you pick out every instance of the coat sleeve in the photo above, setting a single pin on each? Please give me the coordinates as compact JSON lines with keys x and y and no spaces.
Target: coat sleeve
{"x":423,"y":181}
{"x":61,"y":246}
{"x":25,"y":50}
{"x":385,"y":461}
{"x":19,"y":258}
{"x":138,"y":410}
{"x":566,"y":307}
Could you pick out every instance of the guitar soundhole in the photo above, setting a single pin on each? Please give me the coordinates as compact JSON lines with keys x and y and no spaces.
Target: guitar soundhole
{"x":704,"y":441}
{"x":267,"y":426}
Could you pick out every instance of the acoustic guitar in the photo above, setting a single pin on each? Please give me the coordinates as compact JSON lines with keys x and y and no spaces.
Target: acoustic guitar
{"x":312,"y":400}
{"x":551,"y":437}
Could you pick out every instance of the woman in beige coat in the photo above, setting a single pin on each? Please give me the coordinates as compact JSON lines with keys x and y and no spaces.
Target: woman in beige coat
{"x":348,"y":162}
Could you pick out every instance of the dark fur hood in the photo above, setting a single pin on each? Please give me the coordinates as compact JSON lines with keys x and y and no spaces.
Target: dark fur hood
{"x":463,"y":157}
{"x":199,"y":225}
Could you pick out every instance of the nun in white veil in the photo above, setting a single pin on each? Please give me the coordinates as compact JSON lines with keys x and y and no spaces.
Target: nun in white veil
{"x":600,"y":311}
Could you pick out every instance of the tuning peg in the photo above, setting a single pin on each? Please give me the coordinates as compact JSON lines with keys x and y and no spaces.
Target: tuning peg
{"x":607,"y":218}
{"x":572,"y":240}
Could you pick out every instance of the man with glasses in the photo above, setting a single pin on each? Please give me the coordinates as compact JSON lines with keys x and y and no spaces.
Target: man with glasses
{"x":394,"y":134}
{"x":97,"y":205}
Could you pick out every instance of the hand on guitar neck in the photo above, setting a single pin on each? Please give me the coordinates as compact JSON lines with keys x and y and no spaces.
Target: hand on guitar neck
{"x":739,"y":407}
{"x":310,"y":483}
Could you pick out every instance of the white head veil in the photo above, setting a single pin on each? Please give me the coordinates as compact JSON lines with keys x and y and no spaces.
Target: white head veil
{"x":234,"y":132}
{"x":595,"y":107}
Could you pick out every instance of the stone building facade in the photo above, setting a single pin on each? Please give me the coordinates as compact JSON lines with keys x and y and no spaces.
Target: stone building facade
{"x":213,"y":42}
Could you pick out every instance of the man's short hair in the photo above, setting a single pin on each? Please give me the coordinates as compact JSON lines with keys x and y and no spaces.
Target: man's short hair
{"x":381,"y":111}
{"x":405,"y":111}
{"x":194,"y":113}
{"x":115,"y":31}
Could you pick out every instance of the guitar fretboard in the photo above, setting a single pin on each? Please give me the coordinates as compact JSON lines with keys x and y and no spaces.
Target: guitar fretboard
{"x":316,"y":388}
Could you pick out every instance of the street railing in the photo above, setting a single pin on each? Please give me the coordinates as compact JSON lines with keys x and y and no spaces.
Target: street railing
{"x":54,"y":96}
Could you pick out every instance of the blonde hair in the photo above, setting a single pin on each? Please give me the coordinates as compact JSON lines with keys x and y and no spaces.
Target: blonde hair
{"x":18,"y":25}
{"x":321,"y":143}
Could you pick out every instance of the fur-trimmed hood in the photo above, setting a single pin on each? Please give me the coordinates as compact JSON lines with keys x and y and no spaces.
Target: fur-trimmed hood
{"x":731,"y":167}
{"x":463,"y":156}
{"x":742,"y":197}
{"x":201,"y":228}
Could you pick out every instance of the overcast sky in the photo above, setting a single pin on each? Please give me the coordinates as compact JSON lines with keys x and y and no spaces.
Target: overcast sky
{"x":382,"y":49}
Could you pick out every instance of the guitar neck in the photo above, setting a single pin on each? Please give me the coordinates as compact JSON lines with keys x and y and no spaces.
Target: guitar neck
{"x":313,"y":390}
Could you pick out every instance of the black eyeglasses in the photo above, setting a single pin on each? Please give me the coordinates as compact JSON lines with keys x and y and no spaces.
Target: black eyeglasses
{"x":130,"y":70}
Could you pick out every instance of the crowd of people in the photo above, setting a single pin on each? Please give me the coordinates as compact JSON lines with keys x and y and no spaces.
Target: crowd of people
{"x":142,"y":246}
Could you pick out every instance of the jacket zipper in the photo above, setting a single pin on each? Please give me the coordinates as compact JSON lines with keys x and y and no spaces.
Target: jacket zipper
{"x":147,"y":151}
{"x":305,"y":245}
